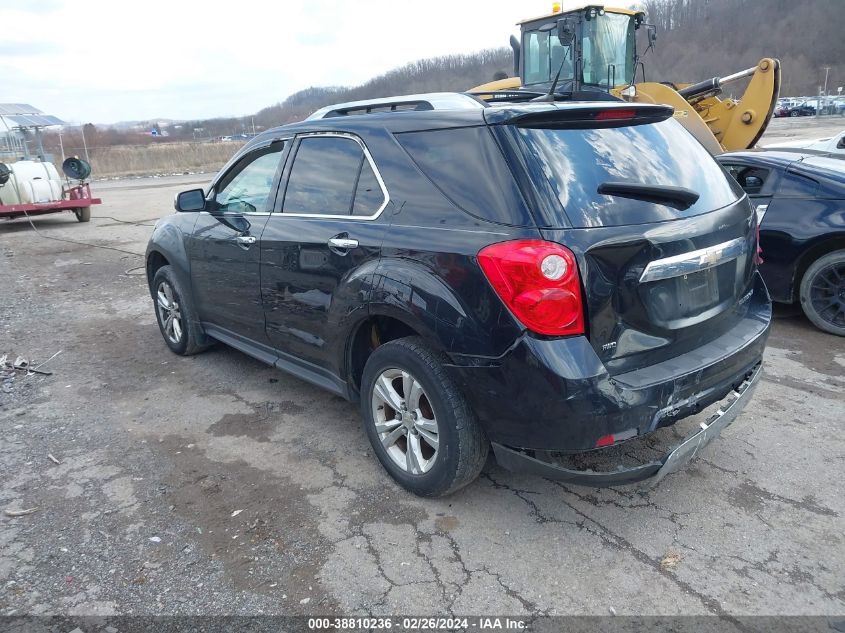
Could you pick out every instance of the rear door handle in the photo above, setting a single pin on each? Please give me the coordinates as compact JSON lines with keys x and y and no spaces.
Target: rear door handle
{"x":245,"y":239}
{"x":343,"y":243}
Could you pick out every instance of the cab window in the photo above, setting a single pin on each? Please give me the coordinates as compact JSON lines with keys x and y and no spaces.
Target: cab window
{"x":246,"y":188}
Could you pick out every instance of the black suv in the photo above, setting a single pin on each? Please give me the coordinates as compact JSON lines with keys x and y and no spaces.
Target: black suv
{"x":533,"y":277}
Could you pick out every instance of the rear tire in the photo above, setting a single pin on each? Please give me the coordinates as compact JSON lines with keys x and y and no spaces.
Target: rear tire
{"x":177,"y":319}
{"x":430,"y":441}
{"x":822,"y":293}
{"x":83,"y":214}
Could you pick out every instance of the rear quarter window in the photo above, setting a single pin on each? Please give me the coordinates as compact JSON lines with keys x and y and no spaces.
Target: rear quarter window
{"x":794,"y":185}
{"x":468,"y":167}
{"x":574,"y":162}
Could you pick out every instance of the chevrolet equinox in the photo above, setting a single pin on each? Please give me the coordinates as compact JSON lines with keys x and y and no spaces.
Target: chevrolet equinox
{"x":531,"y":277}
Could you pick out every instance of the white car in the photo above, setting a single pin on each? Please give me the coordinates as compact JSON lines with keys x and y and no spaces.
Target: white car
{"x":835,"y":144}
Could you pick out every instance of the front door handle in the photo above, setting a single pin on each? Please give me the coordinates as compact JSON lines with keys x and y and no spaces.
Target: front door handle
{"x":343,"y":243}
{"x":245,"y":239}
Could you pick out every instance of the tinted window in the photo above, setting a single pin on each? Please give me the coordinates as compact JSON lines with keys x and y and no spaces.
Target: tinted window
{"x":798,"y":186}
{"x":324,"y":174}
{"x":751,"y":179}
{"x":574,"y":162}
{"x":468,"y":167}
{"x":247,"y":186}
{"x":368,"y":194}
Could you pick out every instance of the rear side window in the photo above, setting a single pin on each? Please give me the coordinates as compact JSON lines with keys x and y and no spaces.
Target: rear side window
{"x":368,"y":193}
{"x":331,"y":175}
{"x":467,"y":165}
{"x":798,"y":186}
{"x":574,"y":162}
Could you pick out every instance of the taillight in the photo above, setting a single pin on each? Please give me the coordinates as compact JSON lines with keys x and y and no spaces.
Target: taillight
{"x":538,"y":281}
{"x":760,"y":212}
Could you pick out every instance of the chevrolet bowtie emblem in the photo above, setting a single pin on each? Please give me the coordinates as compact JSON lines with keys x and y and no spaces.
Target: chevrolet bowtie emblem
{"x":711,"y":257}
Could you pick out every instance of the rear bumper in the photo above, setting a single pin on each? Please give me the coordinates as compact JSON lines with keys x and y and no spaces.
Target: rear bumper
{"x":556,"y":395}
{"x":672,"y":461}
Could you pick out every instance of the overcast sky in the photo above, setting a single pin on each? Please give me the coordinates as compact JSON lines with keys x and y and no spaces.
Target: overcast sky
{"x":105,"y":61}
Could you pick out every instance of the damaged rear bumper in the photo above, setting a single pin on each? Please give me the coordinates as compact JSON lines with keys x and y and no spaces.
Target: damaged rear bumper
{"x":730,"y":407}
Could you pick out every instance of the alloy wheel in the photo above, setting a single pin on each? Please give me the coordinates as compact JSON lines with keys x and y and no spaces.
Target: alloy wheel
{"x":405,"y":421}
{"x":169,"y":313}
{"x":827,"y":294}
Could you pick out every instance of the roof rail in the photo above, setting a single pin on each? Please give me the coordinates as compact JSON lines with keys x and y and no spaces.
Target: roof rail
{"x":404,"y":103}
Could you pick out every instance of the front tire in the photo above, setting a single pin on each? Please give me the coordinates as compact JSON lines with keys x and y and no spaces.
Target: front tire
{"x":822,"y":293}
{"x":177,"y":319}
{"x":83,"y":214}
{"x":419,"y":424}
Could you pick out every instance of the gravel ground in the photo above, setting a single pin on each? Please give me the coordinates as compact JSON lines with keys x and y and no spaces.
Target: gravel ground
{"x":217,"y":485}
{"x":802,"y":128}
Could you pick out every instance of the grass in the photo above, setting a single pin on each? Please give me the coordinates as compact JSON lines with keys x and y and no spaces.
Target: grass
{"x":160,"y":158}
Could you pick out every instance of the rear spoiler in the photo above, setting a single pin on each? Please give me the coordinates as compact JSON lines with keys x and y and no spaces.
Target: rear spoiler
{"x":576,"y":115}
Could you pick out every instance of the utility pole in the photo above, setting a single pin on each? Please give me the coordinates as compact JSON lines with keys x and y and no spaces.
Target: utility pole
{"x":84,"y":144}
{"x":61,"y":146}
{"x":824,"y":91}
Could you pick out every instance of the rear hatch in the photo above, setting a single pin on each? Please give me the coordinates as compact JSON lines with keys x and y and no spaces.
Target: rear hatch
{"x":665,"y":240}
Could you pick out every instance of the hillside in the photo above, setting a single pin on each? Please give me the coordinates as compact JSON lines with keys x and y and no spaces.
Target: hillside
{"x":697,"y":39}
{"x":438,"y":74}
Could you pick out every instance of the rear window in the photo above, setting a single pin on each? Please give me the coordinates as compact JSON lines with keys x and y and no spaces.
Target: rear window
{"x":574,"y":162}
{"x":467,"y":165}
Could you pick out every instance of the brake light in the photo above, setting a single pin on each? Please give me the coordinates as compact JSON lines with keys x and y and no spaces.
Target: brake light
{"x":605,"y":440}
{"x":615,"y":115}
{"x":538,"y":282}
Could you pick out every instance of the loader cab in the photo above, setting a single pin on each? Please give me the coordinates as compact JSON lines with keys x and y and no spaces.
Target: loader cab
{"x":594,"y":47}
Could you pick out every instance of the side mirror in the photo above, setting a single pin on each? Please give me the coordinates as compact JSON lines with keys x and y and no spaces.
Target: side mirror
{"x":841,"y":143}
{"x":652,"y":34}
{"x":753,"y":184}
{"x":193,"y":200}
{"x":565,"y":31}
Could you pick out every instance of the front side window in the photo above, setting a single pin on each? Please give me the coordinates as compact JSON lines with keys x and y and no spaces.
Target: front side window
{"x":248,"y":185}
{"x":331,"y":175}
{"x":751,"y":179}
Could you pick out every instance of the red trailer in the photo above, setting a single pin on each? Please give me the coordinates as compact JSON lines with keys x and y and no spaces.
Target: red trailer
{"x":77,"y":199}
{"x":30,"y":184}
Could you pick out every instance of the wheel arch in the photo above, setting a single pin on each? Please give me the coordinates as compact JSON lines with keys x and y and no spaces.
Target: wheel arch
{"x":821,"y":247}
{"x":167,"y":248}
{"x":379,"y":327}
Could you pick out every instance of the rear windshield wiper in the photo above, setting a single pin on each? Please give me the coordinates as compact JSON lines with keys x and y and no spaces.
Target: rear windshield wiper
{"x":677,"y":197}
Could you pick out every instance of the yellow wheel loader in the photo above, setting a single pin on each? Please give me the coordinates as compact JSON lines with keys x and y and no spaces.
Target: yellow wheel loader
{"x":591,"y":53}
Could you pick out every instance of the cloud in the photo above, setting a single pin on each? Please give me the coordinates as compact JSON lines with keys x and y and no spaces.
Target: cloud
{"x":26,"y":49}
{"x":193,"y":59}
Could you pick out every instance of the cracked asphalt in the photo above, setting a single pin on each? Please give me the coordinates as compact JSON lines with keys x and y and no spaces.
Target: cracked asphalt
{"x":217,"y":485}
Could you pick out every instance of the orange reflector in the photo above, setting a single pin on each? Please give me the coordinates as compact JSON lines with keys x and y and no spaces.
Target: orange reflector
{"x":555,"y":7}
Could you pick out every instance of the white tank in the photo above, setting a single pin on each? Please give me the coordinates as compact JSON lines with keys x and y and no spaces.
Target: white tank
{"x":31,"y":182}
